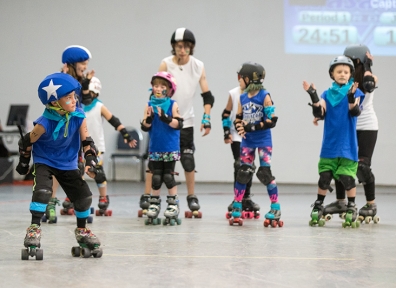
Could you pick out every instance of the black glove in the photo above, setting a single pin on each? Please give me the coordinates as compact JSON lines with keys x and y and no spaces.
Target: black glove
{"x":126,"y":135}
{"x":166,"y":118}
{"x":85,"y":84}
{"x":23,"y":165}
{"x":351,"y":97}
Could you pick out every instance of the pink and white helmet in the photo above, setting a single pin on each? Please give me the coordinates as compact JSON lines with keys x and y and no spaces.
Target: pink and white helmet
{"x":95,"y":85}
{"x":168,"y":77}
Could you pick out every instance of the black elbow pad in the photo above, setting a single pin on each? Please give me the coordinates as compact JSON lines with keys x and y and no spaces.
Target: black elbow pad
{"x":369,"y":83}
{"x":208,"y":98}
{"x":180,"y":121}
{"x":144,"y":128}
{"x":355,"y":111}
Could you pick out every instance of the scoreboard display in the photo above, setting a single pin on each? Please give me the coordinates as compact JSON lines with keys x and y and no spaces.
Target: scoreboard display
{"x":327,"y":26}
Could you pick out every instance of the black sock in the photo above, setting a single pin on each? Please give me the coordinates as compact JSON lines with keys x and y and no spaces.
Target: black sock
{"x":351,"y":199}
{"x":81,"y":222}
{"x":321,"y":198}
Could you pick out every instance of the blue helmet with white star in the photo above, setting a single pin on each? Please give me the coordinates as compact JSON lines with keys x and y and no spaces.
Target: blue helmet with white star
{"x":75,"y":53}
{"x":56,"y":86}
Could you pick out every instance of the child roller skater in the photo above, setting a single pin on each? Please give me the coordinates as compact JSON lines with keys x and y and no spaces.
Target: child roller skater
{"x":253,"y":122}
{"x":339,"y":108}
{"x":367,"y":131}
{"x":163,"y":123}
{"x":95,"y":111}
{"x":55,"y":142}
{"x":231,"y":136}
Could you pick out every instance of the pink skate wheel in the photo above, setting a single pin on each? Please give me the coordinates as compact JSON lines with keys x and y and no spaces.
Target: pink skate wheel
{"x":70,"y":212}
{"x":240,"y":222}
{"x":267,"y":222}
{"x":97,"y":213}
{"x":280,"y":223}
{"x":274,"y":223}
{"x":231,"y":222}
{"x":109,"y":212}
{"x":228,"y":216}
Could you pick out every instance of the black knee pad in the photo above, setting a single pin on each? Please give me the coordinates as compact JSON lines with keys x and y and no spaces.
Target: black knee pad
{"x":82,"y":204}
{"x":347,"y":181}
{"x":156,"y":182}
{"x":264,"y":174}
{"x":100,"y":176}
{"x":245,"y":174}
{"x":325,"y":180}
{"x":364,"y":173}
{"x":41,"y":196}
{"x":169,"y":179}
{"x":187,"y":161}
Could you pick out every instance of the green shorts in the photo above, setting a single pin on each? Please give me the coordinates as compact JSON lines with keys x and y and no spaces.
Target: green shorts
{"x":338,"y":166}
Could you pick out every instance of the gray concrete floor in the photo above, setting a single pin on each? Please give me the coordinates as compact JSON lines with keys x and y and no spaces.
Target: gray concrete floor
{"x":203,"y":252}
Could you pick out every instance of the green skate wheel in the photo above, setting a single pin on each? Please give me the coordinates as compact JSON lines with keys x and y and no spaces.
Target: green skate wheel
{"x":357,"y":224}
{"x":25,"y":254}
{"x":172,"y":222}
{"x":311,"y":223}
{"x":321,"y":223}
{"x":39,"y":254}
{"x":178,"y":221}
{"x":344,"y":224}
{"x":156,"y":221}
{"x":146,"y":222}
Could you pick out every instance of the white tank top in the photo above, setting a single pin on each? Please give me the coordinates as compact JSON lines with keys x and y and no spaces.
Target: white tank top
{"x":235,"y":95}
{"x":367,"y":120}
{"x":187,"y":79}
{"x":95,"y":126}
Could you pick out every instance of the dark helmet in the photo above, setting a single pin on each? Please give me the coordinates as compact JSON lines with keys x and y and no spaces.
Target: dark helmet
{"x":182,"y":34}
{"x":254,"y":71}
{"x":341,"y":60}
{"x":357,"y":51}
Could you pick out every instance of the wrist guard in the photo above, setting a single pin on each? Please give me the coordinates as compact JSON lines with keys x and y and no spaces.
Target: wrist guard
{"x":24,"y":143}
{"x":317,"y":111}
{"x":180,"y":123}
{"x":206,"y":121}
{"x":355,"y":111}
{"x":208,"y":98}
{"x":312,"y":93}
{"x":85,"y":84}
{"x":226,"y":133}
{"x":126,"y":135}
{"x":351,"y":97}
{"x":86,"y":98}
{"x":90,"y":158}
{"x":149,"y":119}
{"x":252,"y":127}
{"x":144,"y":128}
{"x":165,"y":118}
{"x":23,"y":165}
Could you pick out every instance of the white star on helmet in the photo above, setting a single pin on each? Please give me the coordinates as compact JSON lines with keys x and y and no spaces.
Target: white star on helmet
{"x":51,"y":90}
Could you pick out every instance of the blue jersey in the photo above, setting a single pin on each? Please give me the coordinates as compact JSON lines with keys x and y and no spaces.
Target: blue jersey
{"x":253,"y":112}
{"x":163,"y":138}
{"x":339,"y":134}
{"x":61,"y":153}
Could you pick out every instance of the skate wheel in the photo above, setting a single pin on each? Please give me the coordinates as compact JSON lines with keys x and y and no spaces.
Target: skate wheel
{"x":243,"y":215}
{"x":178,"y":221}
{"x":274,"y":223}
{"x":360,"y":219}
{"x":70,"y":212}
{"x":140,"y":213}
{"x":231,"y":222}
{"x":344,"y":224}
{"x":63,"y":212}
{"x":197,"y":214}
{"x":109,"y":212}
{"x":172,"y":222}
{"x":228,"y":215}
{"x":98,"y":253}
{"x":353,"y":224}
{"x":328,"y":217}
{"x":97,"y":213}
{"x":257,"y":215}
{"x":321,"y":223}
{"x":39,"y":254}
{"x":267,"y":222}
{"x":240,"y":222}
{"x":357,"y":224}
{"x":44,"y":218}
{"x":75,"y":251}
{"x":311,"y":223}
{"x":146,"y":222}
{"x":368,"y":219}
{"x":85,"y":252}
{"x":376,"y":219}
{"x":188,"y":214}
{"x":280,"y":223}
{"x":342,"y":215}
{"x":90,"y":219}
{"x":24,"y":254}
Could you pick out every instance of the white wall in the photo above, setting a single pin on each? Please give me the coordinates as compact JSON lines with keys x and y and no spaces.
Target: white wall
{"x":128,"y":40}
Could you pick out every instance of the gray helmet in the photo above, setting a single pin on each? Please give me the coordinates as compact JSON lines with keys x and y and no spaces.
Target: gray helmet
{"x":182,"y":34}
{"x":357,"y":51}
{"x":254,"y":71}
{"x":341,"y":60}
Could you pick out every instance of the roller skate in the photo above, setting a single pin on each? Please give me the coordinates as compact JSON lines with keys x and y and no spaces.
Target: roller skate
{"x":316,"y":214}
{"x":229,"y":212}
{"x":144,"y":204}
{"x":89,"y":244}
{"x":194,"y":206}
{"x":32,"y":243}
{"x":172,"y":211}
{"x":153,"y":211}
{"x":104,"y":202}
{"x":350,"y":216}
{"x":368,"y":213}
{"x":68,"y":207}
{"x":236,"y":214}
{"x":336,"y":207}
{"x":273,"y":216}
{"x":50,"y":212}
{"x":250,"y":209}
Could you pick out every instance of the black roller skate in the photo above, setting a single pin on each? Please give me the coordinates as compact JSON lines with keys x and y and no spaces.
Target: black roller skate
{"x":172,"y":211}
{"x":250,"y":209}
{"x":32,"y":243}
{"x":193,"y":205}
{"x":316,"y":214}
{"x":153,"y":211}
{"x":144,"y":204}
{"x":236,"y":214}
{"x":272,"y":218}
{"x":68,"y":207}
{"x":368,"y":213}
{"x":350,"y":216}
{"x":50,"y":212}
{"x":104,"y":202}
{"x":89,"y":244}
{"x":336,"y":207}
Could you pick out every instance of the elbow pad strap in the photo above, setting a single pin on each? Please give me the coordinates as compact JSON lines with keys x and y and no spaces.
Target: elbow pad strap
{"x":114,"y":121}
{"x":208,"y":98}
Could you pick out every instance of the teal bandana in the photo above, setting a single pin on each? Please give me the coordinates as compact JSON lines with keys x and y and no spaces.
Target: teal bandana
{"x":61,"y":119}
{"x":163,"y":103}
{"x":337,"y":92}
{"x":89,"y":107}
